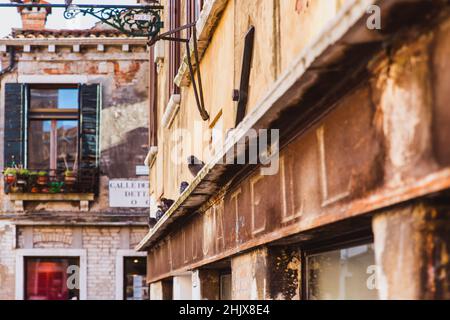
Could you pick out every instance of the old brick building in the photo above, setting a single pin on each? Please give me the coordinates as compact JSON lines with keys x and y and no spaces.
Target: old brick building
{"x":74,"y":118}
{"x":358,"y":206}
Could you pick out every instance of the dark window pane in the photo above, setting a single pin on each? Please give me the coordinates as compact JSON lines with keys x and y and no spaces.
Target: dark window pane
{"x":66,"y":98}
{"x":39,"y":144}
{"x":135,"y":286}
{"x":345,"y":274}
{"x":51,"y":278}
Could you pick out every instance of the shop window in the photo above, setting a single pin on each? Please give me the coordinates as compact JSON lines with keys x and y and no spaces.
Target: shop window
{"x":51,"y":279}
{"x":345,"y":273}
{"x":225,"y":286}
{"x":135,"y":286}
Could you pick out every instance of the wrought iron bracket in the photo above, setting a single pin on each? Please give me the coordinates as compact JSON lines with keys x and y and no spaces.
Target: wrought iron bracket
{"x":198,"y":87}
{"x":133,"y":20}
{"x":136,"y":22}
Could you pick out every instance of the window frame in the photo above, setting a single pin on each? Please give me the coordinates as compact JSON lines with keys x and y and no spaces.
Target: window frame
{"x":174,"y":46}
{"x":53,"y":114}
{"x":364,"y":237}
{"x":193,"y":10}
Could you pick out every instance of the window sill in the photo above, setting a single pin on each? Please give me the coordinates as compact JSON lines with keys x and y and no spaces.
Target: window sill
{"x":51,"y":197}
{"x":19,"y":198}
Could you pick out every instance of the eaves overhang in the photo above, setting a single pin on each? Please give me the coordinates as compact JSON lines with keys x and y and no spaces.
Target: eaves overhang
{"x":339,"y":56}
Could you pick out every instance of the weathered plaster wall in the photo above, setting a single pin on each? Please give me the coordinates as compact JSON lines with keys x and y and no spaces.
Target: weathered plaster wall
{"x":278,"y":23}
{"x":249,"y":273}
{"x":412,"y":252}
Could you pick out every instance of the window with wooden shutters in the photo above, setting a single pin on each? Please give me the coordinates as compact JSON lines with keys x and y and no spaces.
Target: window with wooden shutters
{"x":174,"y":53}
{"x":52,"y":130}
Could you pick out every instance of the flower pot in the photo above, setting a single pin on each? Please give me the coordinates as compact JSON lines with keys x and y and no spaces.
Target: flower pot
{"x":42,"y":180}
{"x":70,"y":180}
{"x":35,"y":190}
{"x":10,"y":178}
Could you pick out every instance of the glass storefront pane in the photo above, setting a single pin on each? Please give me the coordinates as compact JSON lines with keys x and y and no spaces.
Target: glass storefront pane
{"x":345,"y":274}
{"x":48,"y":279}
{"x":135,"y":283}
{"x":225,"y":287}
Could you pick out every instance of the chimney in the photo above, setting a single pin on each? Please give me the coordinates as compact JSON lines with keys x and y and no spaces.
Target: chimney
{"x":34,"y":18}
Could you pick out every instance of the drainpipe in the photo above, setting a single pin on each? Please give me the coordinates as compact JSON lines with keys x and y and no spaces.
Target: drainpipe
{"x":12,"y":62}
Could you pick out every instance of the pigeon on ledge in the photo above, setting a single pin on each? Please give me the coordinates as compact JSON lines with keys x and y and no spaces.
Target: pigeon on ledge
{"x":159,"y":214}
{"x":151,"y":222}
{"x":195,"y":165}
{"x":183,"y":186}
{"x":166,"y":204}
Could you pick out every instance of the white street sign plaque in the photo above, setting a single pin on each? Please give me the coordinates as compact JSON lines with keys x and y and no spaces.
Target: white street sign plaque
{"x":129,"y":194}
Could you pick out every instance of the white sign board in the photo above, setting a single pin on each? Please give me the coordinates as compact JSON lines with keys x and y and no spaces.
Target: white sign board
{"x":129,"y":194}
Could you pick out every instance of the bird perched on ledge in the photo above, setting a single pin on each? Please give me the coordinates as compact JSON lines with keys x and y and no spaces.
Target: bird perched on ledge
{"x":183,"y":186}
{"x":68,"y":2}
{"x":166,"y":204}
{"x":195,"y":165}
{"x":151,"y":222}
{"x":159,"y":215}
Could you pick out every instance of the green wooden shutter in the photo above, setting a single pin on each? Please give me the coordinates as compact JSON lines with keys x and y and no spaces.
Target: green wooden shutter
{"x":15,"y":124}
{"x":90,"y":108}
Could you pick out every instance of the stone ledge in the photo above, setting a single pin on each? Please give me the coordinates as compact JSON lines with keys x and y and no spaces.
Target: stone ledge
{"x":51,"y":197}
{"x":20,"y":198}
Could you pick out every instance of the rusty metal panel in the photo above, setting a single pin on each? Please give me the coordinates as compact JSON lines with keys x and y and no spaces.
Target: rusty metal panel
{"x":316,"y":173}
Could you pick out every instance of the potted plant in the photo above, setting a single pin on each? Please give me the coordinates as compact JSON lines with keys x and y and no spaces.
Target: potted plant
{"x":42,"y":178}
{"x":32,"y":182}
{"x":55,"y":187}
{"x":69,"y":178}
{"x":10,"y":175}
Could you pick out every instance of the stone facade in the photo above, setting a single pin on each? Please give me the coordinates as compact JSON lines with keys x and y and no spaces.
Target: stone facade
{"x":82,"y":225}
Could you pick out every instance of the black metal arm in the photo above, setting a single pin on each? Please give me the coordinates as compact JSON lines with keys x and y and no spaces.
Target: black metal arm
{"x":198,"y":89}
